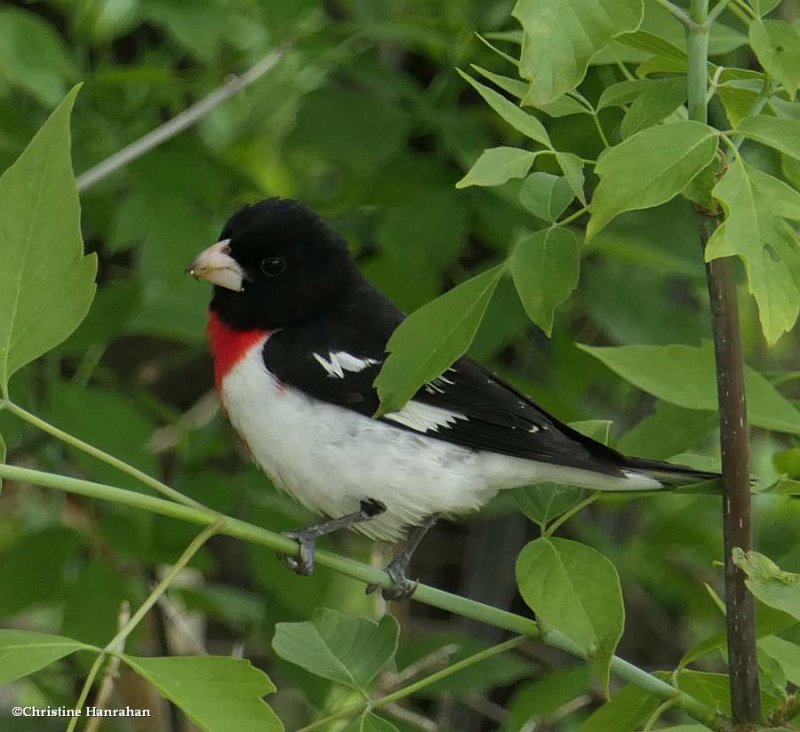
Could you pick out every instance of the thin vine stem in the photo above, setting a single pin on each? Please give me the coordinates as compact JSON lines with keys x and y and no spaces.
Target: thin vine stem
{"x":746,"y":9}
{"x":564,"y":517}
{"x":569,"y":219}
{"x":96,"y":452}
{"x":432,"y":596}
{"x":112,"y":646}
{"x":676,"y":12}
{"x":355,"y":710}
{"x":717,"y":11}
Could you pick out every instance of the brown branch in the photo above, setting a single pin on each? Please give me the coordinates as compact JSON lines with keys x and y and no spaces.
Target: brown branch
{"x":189,"y":117}
{"x":736,"y":510}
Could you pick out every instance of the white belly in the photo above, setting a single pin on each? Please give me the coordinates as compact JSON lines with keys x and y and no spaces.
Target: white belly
{"x":330,"y":458}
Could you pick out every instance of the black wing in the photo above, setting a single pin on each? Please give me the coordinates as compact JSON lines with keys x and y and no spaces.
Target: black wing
{"x":479,"y":410}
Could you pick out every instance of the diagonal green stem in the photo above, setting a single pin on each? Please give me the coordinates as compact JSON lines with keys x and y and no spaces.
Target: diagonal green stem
{"x":429,"y":595}
{"x":95,"y":452}
{"x":113,"y":645}
{"x":354,"y":710}
{"x":677,"y":12}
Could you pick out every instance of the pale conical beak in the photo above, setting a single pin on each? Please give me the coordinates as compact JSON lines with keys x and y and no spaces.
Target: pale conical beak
{"x":216,"y":265}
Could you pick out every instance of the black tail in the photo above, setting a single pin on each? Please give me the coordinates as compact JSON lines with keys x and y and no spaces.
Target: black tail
{"x":676,"y":476}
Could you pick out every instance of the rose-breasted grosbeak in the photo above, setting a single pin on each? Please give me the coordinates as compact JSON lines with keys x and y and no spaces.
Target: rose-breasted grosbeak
{"x":298,"y":336}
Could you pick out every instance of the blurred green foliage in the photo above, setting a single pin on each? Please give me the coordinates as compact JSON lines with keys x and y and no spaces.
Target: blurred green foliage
{"x":367,"y":120}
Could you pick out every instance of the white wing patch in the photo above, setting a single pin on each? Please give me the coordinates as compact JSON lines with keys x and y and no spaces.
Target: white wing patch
{"x":437,"y":386}
{"x":340,"y":361}
{"x":424,"y":417}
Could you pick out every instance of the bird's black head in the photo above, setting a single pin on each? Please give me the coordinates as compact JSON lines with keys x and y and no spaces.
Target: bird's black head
{"x":277,"y":263}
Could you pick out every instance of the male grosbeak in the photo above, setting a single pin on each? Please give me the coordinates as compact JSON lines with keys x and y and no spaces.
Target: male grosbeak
{"x":298,"y":336}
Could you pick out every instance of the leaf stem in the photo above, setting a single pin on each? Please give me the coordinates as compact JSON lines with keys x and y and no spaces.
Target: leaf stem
{"x":746,"y":9}
{"x":717,"y":11}
{"x":429,"y":595}
{"x":353,"y":710}
{"x":677,"y":12}
{"x":569,"y":219}
{"x":600,"y":130}
{"x":95,"y":452}
{"x":190,"y":116}
{"x":564,"y":517}
{"x":114,"y":644}
{"x":737,"y":531}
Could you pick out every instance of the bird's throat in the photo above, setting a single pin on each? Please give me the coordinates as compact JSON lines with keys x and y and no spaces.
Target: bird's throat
{"x":229,"y":346}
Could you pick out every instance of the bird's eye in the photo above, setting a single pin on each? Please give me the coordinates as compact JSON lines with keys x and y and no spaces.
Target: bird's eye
{"x":273,"y":266}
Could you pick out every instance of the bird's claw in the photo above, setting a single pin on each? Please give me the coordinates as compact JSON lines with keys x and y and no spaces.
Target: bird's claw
{"x":401,"y":588}
{"x":304,"y":564}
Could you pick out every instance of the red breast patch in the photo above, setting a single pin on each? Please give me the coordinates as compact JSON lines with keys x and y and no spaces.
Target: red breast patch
{"x":229,"y":346}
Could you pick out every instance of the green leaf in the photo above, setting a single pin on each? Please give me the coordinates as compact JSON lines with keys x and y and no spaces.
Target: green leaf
{"x":754,"y":230}
{"x":788,"y":462}
{"x":561,"y":107}
{"x":669,"y":431}
{"x":33,"y":55}
{"x":649,"y":168}
{"x":768,"y":582}
{"x":432,"y":338}
{"x":709,"y":688}
{"x":782,"y":134}
{"x":2,"y":457}
{"x":738,"y":98}
{"x":575,"y":589}
{"x":654,"y":104}
{"x":777,"y":46}
{"x":766,"y":6}
{"x":520,"y":120}
{"x":218,"y":694}
{"x":700,"y":188}
{"x":515,"y":87}
{"x":572,"y":167}
{"x":624,"y":712}
{"x":545,"y":502}
{"x":768,"y":622}
{"x":685,"y":375}
{"x":545,"y":267}
{"x":596,"y":429}
{"x":496,"y":165}
{"x":786,"y":654}
{"x":623,"y":92}
{"x":561,"y":36}
{"x":655,"y":45}
{"x":545,"y":195}
{"x":46,"y":284}
{"x":344,"y":649}
{"x":23,"y":651}
{"x":370,"y":722}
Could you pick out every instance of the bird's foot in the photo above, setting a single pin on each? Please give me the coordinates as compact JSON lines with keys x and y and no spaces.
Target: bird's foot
{"x":402,"y":588}
{"x":306,"y":538}
{"x":304,"y":564}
